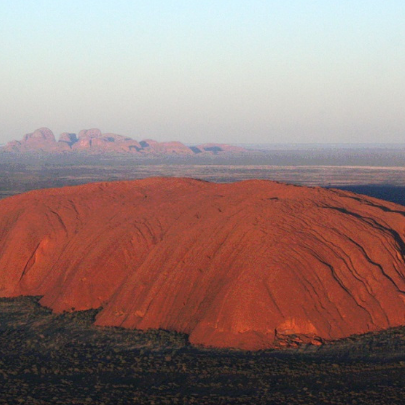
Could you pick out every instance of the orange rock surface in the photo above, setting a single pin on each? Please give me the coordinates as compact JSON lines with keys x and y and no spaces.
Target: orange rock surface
{"x":233,"y":265}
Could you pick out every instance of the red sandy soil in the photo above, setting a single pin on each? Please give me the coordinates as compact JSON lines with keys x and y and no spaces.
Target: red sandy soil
{"x":239,"y":265}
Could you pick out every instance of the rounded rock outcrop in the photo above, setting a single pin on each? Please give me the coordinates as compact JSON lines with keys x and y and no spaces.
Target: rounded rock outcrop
{"x":242,"y":265}
{"x":40,"y":135}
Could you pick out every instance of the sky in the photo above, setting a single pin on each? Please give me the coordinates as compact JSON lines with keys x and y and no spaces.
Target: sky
{"x":236,"y":71}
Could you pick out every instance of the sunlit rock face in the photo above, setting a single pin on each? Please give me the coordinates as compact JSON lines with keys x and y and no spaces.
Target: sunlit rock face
{"x":240,"y":265}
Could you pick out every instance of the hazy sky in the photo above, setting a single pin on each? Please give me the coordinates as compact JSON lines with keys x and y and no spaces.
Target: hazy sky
{"x":221,"y":70}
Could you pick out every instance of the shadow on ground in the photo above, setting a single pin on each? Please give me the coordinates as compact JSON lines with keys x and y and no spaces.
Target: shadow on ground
{"x":390,"y":193}
{"x":64,"y":359}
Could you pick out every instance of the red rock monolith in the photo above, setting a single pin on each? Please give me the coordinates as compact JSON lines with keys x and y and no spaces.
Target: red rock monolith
{"x":242,"y":265}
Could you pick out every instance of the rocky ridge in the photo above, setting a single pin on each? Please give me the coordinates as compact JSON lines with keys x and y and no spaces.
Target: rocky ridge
{"x":248,"y":265}
{"x":93,"y":141}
